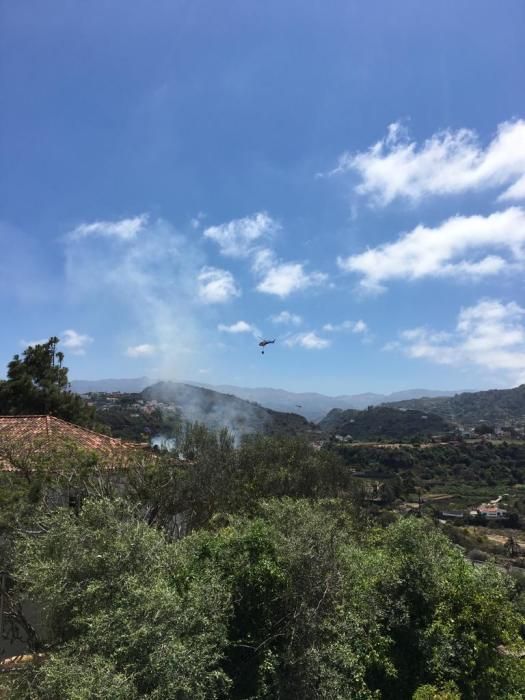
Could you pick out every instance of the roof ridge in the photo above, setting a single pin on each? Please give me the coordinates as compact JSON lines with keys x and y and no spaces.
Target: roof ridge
{"x":28,"y":427}
{"x":54,"y":419}
{"x":26,"y":415}
{"x":65,"y":422}
{"x":88,"y":430}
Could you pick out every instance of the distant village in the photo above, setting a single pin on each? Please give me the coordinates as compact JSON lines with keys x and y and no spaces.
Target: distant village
{"x":105,"y":401}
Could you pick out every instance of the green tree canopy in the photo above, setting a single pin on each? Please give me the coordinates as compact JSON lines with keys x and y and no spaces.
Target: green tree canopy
{"x":37,"y":383}
{"x":295,"y":601}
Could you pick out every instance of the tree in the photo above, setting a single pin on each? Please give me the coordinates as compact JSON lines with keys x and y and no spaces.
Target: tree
{"x":125,"y":616}
{"x":37,"y":383}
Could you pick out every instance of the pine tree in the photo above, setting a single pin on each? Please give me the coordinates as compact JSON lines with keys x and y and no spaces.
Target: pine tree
{"x":37,"y":383}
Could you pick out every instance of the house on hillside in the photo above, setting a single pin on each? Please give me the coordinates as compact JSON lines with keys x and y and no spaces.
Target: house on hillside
{"x":22,"y":438}
{"x":490,"y":511}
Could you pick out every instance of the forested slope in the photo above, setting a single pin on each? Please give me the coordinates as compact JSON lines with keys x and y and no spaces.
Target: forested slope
{"x":384,"y":422}
{"x":498,"y":406}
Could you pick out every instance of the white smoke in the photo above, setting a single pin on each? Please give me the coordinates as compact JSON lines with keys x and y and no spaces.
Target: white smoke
{"x":147,"y":280}
{"x":212,"y":409}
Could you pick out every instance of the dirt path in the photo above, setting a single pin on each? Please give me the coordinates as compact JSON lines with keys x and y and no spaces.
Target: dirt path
{"x":502,"y":539}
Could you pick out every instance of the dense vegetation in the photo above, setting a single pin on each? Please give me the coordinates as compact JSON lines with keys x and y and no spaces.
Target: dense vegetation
{"x":252,"y":573}
{"x":123,"y":419}
{"x":474,"y":463}
{"x":383,"y":423}
{"x":497,"y":407}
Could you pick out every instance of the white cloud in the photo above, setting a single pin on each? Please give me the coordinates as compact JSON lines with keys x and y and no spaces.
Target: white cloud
{"x":515,"y":192}
{"x":310,"y":341}
{"x":489,"y":335}
{"x":352,"y":326}
{"x":450,"y":162}
{"x":237,"y":238}
{"x":241,"y":238}
{"x":239,"y":327}
{"x":75,"y":342}
{"x":360,"y":327}
{"x":263,"y":259}
{"x":216,"y":286}
{"x":443,"y":251}
{"x":125,"y":229}
{"x":197,"y":220}
{"x":144,"y":350}
{"x":283,"y":278}
{"x":287,"y":318}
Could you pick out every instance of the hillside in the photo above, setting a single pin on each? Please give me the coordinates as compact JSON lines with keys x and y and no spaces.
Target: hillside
{"x":383,"y":422}
{"x":312,"y":405}
{"x":156,"y":409}
{"x":217,"y":410}
{"x":498,"y":406}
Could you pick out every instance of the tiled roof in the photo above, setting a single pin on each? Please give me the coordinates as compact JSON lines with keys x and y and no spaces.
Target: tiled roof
{"x":49,"y":431}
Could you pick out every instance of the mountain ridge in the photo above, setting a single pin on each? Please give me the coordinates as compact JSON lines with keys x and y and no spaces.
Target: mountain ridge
{"x":311,"y":405}
{"x":496,"y":406}
{"x":217,"y":410}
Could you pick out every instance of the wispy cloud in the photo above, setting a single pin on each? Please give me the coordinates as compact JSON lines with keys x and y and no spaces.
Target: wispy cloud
{"x":458,"y":247}
{"x":239,"y":237}
{"x":283,"y":278}
{"x":197,"y":220}
{"x":489,"y":335}
{"x":124,"y":229}
{"x":358,"y":327}
{"x":287,"y":319}
{"x":515,"y":192}
{"x":75,"y":342}
{"x":216,"y":286}
{"x":239,"y":327}
{"x":449,"y":162}
{"x":144,"y":350}
{"x":309,"y":341}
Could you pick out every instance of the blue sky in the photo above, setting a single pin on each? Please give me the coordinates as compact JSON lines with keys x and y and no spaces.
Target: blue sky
{"x":178,"y":178}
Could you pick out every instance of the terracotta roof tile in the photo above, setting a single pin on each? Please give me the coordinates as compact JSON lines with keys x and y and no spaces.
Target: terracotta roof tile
{"x":50,"y":430}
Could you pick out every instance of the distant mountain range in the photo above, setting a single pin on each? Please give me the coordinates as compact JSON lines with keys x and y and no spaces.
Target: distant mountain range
{"x":312,"y":406}
{"x":124,"y":386}
{"x":400,"y":420}
{"x":497,"y":406}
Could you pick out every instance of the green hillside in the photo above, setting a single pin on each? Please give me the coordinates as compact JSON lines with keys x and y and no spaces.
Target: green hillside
{"x":160,"y":407}
{"x":383,"y":422}
{"x":498,"y":406}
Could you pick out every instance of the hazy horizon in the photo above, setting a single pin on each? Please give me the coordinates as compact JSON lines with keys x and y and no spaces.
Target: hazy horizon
{"x":152,"y":380}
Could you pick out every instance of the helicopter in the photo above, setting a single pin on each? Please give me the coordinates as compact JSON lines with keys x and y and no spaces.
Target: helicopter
{"x":264,"y":343}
